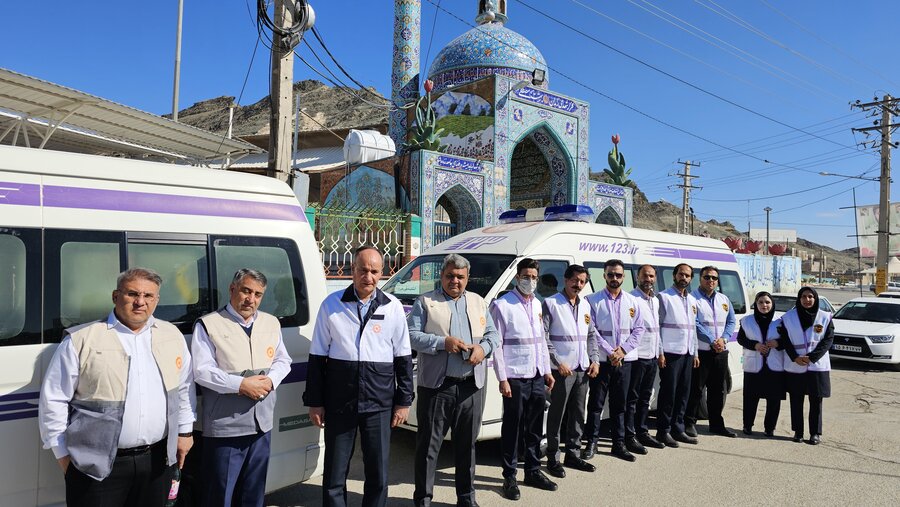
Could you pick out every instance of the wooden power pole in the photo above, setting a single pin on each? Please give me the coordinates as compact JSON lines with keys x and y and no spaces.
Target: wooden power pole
{"x":281,"y":95}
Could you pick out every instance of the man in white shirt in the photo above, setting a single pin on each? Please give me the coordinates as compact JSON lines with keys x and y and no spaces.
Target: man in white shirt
{"x":239,"y":361}
{"x":116,"y":404}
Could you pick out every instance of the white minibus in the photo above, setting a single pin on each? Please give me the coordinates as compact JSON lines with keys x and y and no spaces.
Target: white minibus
{"x":557,"y":238}
{"x":70,"y":223}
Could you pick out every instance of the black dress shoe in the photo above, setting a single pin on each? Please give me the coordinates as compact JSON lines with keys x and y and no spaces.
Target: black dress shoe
{"x":798,"y":436}
{"x":634,"y":446}
{"x":511,"y":488}
{"x":620,"y":451}
{"x":814,"y":439}
{"x":556,"y":469}
{"x":538,"y":480}
{"x":748,"y":431}
{"x":722,"y":432}
{"x":573,"y":461}
{"x":690,"y":430}
{"x":589,"y":449}
{"x":684,"y":438}
{"x":770,"y":433}
{"x":649,"y":441}
{"x":667,"y":440}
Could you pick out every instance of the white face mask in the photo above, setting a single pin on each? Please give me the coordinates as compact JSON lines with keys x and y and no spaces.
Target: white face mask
{"x":527,"y":286}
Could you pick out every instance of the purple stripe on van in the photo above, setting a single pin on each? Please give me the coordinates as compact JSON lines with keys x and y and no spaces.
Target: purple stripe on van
{"x":22,"y":194}
{"x":684,"y":253}
{"x":119,"y":200}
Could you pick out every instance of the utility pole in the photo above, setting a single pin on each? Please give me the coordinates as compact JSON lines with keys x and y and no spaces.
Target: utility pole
{"x":686,"y":188}
{"x":281,"y":91}
{"x":888,"y":108}
{"x":767,"y":210}
{"x":177,"y":62}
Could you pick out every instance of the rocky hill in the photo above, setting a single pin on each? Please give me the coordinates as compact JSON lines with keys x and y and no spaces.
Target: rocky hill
{"x":343,"y":108}
{"x":331,"y":107}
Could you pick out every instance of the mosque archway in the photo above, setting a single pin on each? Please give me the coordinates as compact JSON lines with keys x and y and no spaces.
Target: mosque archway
{"x":609,"y":216}
{"x":460,"y":212}
{"x":540,"y":172}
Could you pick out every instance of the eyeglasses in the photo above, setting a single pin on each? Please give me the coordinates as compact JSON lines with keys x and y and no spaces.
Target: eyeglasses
{"x":710,"y":277}
{"x":615,"y":275}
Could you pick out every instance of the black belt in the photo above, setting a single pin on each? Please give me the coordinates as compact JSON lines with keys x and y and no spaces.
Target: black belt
{"x":139,"y":450}
{"x":458,"y":380}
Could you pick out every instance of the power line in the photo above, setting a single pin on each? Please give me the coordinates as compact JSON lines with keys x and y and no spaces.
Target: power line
{"x":339,"y":66}
{"x":243,"y":87}
{"x":628,"y":106}
{"x":762,"y":62}
{"x":699,"y":60}
{"x":725,"y":13}
{"x":680,"y":80}
{"x":836,"y":48}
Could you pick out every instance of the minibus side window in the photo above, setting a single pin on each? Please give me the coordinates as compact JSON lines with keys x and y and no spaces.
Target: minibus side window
{"x":550,"y":279}
{"x":730,"y":285}
{"x":279,"y":260}
{"x":184,"y":296}
{"x":598,"y":277}
{"x":81,"y":268}
{"x":20,"y":305}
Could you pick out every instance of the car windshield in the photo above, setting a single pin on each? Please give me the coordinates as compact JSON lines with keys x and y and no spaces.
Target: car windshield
{"x":783,"y":303}
{"x":424,"y":275}
{"x":869,"y":312}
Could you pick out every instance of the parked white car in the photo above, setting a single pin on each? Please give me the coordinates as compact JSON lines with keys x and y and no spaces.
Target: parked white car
{"x":868,"y":329}
{"x":784,"y":302}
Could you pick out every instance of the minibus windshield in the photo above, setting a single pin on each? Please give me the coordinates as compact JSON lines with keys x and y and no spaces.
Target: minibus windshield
{"x":424,"y":275}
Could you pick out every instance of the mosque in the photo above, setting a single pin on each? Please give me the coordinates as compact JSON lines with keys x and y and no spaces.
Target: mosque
{"x":501,"y":138}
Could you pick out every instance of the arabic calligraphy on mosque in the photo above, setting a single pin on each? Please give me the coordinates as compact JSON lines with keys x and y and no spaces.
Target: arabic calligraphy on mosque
{"x":604,"y":189}
{"x":459,"y":164}
{"x":546,"y":99}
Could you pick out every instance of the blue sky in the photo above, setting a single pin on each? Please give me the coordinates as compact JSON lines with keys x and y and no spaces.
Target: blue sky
{"x":772,"y":80}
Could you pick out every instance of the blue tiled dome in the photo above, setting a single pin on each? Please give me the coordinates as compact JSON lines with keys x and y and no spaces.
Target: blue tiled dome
{"x":487,"y":49}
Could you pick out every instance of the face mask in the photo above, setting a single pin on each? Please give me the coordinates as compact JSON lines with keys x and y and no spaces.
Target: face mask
{"x":527,"y":286}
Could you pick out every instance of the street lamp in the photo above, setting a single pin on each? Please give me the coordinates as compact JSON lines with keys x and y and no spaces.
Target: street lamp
{"x":767,"y":210}
{"x":867,"y":178}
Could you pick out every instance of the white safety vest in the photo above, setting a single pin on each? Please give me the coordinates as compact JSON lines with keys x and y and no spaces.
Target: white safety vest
{"x":615,"y":329}
{"x":712,"y":316}
{"x":806,"y":341}
{"x":568,"y":330}
{"x":523,"y":352}
{"x":753,"y":360}
{"x":649,"y":347}
{"x":678,"y":333}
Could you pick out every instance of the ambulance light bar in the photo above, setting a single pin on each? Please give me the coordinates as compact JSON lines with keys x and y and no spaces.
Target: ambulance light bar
{"x":565,"y":212}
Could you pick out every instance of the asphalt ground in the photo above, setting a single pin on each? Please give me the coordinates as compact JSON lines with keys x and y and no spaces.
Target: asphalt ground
{"x":857,"y":463}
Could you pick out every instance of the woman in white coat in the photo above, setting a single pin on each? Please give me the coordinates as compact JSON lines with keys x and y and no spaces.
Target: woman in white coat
{"x":763,"y":364}
{"x":806,"y":334}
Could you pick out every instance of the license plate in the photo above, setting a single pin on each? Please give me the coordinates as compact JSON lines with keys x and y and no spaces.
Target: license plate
{"x":847,"y":348}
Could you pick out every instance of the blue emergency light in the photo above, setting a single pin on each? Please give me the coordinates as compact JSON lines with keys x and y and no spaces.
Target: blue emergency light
{"x":563,"y":213}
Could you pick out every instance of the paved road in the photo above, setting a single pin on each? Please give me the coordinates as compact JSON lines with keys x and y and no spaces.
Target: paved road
{"x":858,"y":462}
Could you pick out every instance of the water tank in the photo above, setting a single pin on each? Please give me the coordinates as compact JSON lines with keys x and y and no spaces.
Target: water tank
{"x":363,"y":146}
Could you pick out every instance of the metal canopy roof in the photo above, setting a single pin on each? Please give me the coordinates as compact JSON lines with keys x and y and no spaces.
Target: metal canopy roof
{"x":41,"y":114}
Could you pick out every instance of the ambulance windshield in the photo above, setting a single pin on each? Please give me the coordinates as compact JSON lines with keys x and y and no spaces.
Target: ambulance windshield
{"x":424,"y":275}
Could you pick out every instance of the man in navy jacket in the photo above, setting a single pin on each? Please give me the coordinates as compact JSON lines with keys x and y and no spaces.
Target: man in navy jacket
{"x":359,"y":379}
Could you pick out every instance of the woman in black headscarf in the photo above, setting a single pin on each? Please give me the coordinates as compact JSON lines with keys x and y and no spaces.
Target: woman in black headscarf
{"x":805,"y":334}
{"x":763,"y":364}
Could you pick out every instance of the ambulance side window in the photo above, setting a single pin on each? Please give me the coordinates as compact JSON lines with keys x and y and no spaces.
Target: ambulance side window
{"x":550,"y":279}
{"x":20,"y":264}
{"x":598,"y":277}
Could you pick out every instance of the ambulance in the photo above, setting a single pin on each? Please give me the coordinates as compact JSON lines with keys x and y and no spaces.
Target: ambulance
{"x":70,"y":223}
{"x":557,"y":237}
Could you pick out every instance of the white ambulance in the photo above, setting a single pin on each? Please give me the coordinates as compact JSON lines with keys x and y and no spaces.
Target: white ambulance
{"x":70,"y":223}
{"x":557,"y":237}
